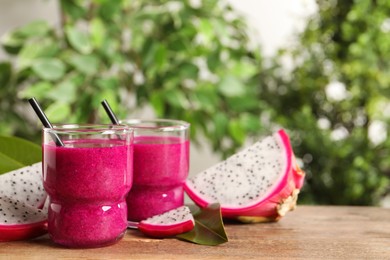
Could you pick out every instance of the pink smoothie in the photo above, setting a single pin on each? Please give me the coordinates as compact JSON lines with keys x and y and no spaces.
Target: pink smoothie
{"x":160,"y":168}
{"x":87,"y":181}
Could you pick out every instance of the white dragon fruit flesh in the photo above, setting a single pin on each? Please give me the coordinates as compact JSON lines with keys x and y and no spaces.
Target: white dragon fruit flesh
{"x":19,"y":221}
{"x":170,"y":223}
{"x":21,"y":197}
{"x":24,"y":184}
{"x":260,"y":183}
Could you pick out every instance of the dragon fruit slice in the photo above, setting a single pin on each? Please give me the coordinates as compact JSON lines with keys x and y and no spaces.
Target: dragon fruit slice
{"x":24,"y":184}
{"x":19,"y":221}
{"x":170,"y":223}
{"x":258,"y":184}
{"x":21,"y":197}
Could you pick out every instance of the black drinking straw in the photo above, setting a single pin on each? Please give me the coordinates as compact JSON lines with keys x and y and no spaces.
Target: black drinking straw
{"x":45,"y":121}
{"x":110,"y":113}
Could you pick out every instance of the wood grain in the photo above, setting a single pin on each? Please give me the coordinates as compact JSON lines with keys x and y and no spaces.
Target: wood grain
{"x":309,"y":232}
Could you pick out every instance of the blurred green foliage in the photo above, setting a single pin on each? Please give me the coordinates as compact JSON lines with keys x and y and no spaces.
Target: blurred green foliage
{"x":343,"y":140}
{"x":195,"y":63}
{"x":188,"y":61}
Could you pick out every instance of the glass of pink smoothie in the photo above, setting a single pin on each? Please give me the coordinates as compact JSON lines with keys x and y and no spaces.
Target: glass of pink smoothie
{"x":87,"y":180}
{"x":161,"y":164}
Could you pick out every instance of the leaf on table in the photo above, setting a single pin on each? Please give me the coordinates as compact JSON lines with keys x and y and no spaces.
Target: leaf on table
{"x":16,"y":153}
{"x":209,"y":229}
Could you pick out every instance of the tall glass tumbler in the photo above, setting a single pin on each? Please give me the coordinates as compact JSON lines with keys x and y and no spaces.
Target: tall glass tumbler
{"x":161,"y":164}
{"x":87,"y":181}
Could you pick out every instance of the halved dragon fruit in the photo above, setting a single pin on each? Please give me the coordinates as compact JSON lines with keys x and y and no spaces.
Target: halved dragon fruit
{"x":19,"y":221}
{"x":21,"y":197}
{"x":170,"y":223}
{"x":24,"y":184}
{"x":259,"y":184}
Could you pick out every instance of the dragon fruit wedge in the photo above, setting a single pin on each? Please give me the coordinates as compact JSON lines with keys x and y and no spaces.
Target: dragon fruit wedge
{"x":24,"y":184}
{"x":19,"y":221}
{"x":170,"y":223}
{"x":258,"y":184}
{"x":21,"y":197}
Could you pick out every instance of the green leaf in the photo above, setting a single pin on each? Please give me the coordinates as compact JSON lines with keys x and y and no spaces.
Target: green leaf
{"x":98,"y":32}
{"x":209,"y":229}
{"x":16,"y":153}
{"x":28,"y":54}
{"x":154,"y":53}
{"x":110,"y":9}
{"x":78,"y":40}
{"x":73,"y":9}
{"x":5,"y":73}
{"x":108,"y":83}
{"x":34,"y":29}
{"x":221,"y":123}
{"x":206,"y":97}
{"x":38,"y":90}
{"x":207,"y":31}
{"x":176,"y":98}
{"x":36,"y":49}
{"x":213,"y":61}
{"x":160,"y":56}
{"x":250,"y":123}
{"x":58,"y":111}
{"x":86,"y":64}
{"x":244,"y":68}
{"x":65,"y":91}
{"x":231,"y":86}
{"x":237,"y":131}
{"x":243,"y":103}
{"x":12,"y":43}
{"x":188,"y":70}
{"x":157,"y":102}
{"x":108,"y":94}
{"x":49,"y":68}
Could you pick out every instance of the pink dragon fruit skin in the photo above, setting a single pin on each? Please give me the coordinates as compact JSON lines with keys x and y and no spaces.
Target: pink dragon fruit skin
{"x":279,"y":198}
{"x":22,"y":232}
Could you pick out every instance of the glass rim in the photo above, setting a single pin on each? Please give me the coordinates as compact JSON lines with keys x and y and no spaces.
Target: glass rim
{"x":87,"y":128}
{"x":170,"y":124}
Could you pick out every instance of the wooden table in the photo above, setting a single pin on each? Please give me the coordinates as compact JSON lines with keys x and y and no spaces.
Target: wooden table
{"x":309,"y":232}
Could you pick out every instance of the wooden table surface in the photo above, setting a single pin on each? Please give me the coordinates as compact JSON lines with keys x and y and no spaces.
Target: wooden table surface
{"x":309,"y":232}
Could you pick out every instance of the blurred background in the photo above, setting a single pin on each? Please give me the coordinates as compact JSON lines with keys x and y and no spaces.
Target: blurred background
{"x":236,"y":70}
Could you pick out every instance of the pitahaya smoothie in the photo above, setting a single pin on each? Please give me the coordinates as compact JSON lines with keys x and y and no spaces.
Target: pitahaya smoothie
{"x":161,"y":166}
{"x":87,"y":181}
